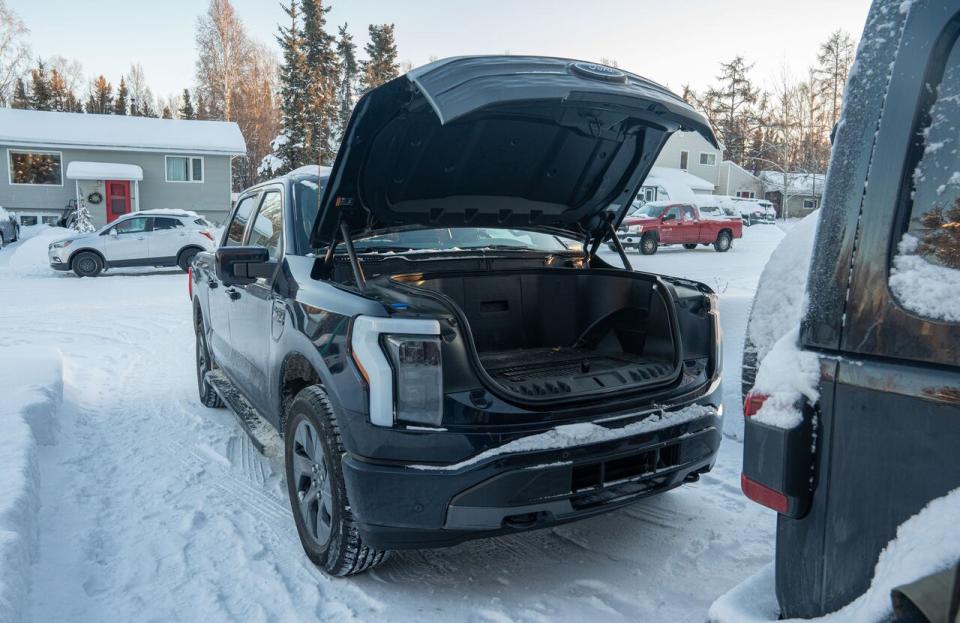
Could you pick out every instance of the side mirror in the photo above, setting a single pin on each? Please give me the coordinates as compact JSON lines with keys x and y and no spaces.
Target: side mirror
{"x":243,"y":265}
{"x":113,"y":232}
{"x":669,"y":217}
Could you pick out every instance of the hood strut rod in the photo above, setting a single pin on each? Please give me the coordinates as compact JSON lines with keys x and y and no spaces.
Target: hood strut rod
{"x":354,"y":262}
{"x":619,"y":245}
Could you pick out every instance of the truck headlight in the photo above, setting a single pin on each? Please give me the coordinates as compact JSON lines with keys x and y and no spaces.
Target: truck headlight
{"x":418,"y":377}
{"x":400,"y":360}
{"x":635,"y":229}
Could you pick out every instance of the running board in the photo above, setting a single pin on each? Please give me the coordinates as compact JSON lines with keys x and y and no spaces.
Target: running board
{"x":261,"y":433}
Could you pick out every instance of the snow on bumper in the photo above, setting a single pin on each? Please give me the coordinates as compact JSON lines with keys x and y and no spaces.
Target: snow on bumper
{"x":31,"y":387}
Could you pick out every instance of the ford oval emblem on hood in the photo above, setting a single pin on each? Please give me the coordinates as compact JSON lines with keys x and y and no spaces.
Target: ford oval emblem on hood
{"x":599,"y":72}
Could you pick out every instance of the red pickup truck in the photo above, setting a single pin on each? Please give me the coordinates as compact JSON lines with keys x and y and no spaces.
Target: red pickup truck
{"x":665,"y":222}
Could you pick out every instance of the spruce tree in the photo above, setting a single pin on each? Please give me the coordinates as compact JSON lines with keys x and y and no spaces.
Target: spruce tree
{"x":120,"y":102}
{"x":381,"y":64}
{"x":731,"y":107}
{"x":186,"y":106}
{"x":40,"y":96}
{"x":100,"y":101}
{"x":289,"y":148}
{"x":322,"y":80}
{"x":201,"y":112}
{"x":347,"y":51}
{"x":20,"y":98}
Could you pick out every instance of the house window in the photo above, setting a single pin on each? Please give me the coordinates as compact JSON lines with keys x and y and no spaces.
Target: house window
{"x":35,"y":168}
{"x":708,"y":159}
{"x":809,"y":204}
{"x":684,"y":157}
{"x":48,"y":219}
{"x":184,"y":169}
{"x":28,"y":219}
{"x":746,"y":194}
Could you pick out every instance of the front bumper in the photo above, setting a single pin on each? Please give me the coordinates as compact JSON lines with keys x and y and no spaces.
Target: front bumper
{"x":401,"y":506}
{"x":58,"y":265}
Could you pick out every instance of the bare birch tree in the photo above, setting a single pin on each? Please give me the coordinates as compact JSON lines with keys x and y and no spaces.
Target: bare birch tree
{"x":14,"y":52}
{"x":223,"y":55}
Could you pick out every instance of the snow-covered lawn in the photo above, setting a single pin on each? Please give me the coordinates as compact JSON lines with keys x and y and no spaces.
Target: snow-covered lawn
{"x":154,"y":508}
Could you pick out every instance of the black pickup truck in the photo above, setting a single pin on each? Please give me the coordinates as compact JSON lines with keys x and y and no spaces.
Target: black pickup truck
{"x":430,"y":329}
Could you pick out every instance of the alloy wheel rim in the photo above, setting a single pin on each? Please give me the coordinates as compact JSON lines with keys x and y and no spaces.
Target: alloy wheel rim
{"x":87,"y":265}
{"x":312,"y":482}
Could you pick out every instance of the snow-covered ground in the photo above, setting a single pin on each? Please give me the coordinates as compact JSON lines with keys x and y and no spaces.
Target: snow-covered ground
{"x":154,"y":508}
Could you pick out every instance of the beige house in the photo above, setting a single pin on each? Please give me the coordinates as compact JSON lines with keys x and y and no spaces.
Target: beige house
{"x":735,"y":181}
{"x":690,"y":152}
{"x":803,"y":191}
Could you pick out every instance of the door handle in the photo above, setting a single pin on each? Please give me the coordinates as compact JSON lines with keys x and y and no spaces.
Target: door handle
{"x":212,"y":284}
{"x":233,"y":293}
{"x":139,"y":237}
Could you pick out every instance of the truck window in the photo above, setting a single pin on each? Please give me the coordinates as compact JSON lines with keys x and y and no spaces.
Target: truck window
{"x":689,"y":214}
{"x":672,"y":213}
{"x":267,"y":227}
{"x":925,"y":272}
{"x":239,"y":222}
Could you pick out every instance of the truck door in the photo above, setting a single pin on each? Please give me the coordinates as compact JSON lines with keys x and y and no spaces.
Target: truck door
{"x":689,"y":230}
{"x":223,"y":298}
{"x":251,"y":314}
{"x":670,"y":226}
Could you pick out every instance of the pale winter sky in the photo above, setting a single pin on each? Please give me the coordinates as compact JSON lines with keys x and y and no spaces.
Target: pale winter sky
{"x":673,"y":42}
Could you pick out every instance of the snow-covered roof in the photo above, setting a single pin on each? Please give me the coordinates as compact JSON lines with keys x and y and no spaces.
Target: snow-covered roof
{"x":57,"y":130}
{"x":312,"y":169}
{"x":80,"y":170}
{"x":679,"y":185}
{"x":732,"y":164}
{"x":166,"y":212}
{"x":797,"y":183}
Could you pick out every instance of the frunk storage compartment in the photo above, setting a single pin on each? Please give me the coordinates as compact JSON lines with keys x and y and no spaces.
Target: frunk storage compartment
{"x":561,"y":333}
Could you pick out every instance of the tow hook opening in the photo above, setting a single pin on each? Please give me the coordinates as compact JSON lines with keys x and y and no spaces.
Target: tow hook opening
{"x":524,"y":520}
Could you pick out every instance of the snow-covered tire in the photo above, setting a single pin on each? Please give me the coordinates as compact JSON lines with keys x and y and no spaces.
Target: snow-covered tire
{"x":208,"y":396}
{"x":2,"y":241}
{"x":722,"y":245}
{"x":186,"y":258}
{"x":86,"y":264}
{"x":317,"y":491}
{"x":690,"y":247}
{"x":649,"y":244}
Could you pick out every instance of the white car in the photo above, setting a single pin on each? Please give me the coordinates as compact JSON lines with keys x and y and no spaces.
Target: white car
{"x":148,"y":238}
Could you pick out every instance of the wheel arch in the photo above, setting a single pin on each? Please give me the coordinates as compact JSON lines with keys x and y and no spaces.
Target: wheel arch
{"x":297,"y":372}
{"x":77,"y":252}
{"x":189,"y":247}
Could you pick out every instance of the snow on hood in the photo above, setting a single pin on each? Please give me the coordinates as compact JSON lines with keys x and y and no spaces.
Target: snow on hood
{"x":926,"y":543}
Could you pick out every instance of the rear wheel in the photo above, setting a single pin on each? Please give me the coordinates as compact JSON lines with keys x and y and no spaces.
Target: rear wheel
{"x":208,"y":396}
{"x":2,"y":240}
{"x":690,"y":246}
{"x":186,"y":258}
{"x":649,"y":244}
{"x":722,"y":245}
{"x":87,"y":264}
{"x":318,"y":497}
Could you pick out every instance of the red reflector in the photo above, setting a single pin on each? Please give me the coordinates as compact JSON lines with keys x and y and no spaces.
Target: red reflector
{"x":753,"y":402}
{"x":208,"y":235}
{"x":190,"y":281}
{"x":764,"y":495}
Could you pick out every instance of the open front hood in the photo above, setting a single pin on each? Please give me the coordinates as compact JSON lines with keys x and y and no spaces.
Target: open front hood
{"x":500,"y":141}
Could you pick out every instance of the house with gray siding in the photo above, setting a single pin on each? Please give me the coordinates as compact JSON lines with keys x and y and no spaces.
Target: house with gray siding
{"x":736,"y":181}
{"x":114,"y":164}
{"x":690,"y":152}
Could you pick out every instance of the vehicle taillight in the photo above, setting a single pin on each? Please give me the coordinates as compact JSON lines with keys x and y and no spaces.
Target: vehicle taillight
{"x":190,"y":281}
{"x":763,"y":495}
{"x":208,"y":235}
{"x":753,"y":402}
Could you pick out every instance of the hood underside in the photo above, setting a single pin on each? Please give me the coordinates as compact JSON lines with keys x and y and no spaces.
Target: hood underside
{"x":517,"y":142}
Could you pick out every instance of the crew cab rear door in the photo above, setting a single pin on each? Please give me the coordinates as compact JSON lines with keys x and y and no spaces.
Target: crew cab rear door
{"x":690,"y":226}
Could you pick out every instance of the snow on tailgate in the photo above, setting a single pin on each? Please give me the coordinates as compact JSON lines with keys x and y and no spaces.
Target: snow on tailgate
{"x":570,"y":435}
{"x":31,"y":387}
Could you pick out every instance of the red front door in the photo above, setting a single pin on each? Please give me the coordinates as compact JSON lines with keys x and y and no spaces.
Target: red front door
{"x":118,"y":199}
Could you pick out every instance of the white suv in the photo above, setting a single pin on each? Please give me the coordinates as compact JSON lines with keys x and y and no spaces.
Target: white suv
{"x":148,"y":238}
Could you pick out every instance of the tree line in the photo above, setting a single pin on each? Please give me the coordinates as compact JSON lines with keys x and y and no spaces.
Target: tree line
{"x":291,"y":110}
{"x":787,"y":126}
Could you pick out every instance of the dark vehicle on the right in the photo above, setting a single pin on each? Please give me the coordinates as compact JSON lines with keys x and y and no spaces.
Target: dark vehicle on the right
{"x":883,"y":322}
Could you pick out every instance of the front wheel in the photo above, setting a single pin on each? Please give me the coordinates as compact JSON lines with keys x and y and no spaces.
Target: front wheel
{"x":186,"y":258}
{"x":87,"y":264}
{"x":312,"y":458}
{"x":649,"y":245}
{"x":208,"y":396}
{"x":722,"y":245}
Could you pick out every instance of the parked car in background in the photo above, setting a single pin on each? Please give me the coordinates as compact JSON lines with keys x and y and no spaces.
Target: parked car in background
{"x":660,"y":223}
{"x":9,"y":228}
{"x":147,"y":238}
{"x":405,"y":341}
{"x":752,"y":211}
{"x":852,"y":425}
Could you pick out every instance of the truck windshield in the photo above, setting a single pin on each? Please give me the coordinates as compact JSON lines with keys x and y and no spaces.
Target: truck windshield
{"x":651,"y":211}
{"x":460,"y":238}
